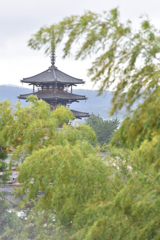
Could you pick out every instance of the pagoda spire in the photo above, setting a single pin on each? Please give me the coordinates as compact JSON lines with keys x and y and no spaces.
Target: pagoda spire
{"x":53,"y":58}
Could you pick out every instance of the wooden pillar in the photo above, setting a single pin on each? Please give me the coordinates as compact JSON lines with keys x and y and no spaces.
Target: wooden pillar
{"x":51,"y":106}
{"x":71,"y":88}
{"x":33,"y":88}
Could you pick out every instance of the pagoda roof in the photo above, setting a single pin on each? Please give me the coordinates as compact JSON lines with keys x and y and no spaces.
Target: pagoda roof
{"x":49,"y":95}
{"x":52,"y":75}
{"x":78,"y":114}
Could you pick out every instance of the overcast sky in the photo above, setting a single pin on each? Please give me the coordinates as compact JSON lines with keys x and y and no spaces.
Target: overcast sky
{"x":19,"y":19}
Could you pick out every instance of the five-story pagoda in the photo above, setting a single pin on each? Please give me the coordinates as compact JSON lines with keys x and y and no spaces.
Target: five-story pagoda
{"x":53,"y":87}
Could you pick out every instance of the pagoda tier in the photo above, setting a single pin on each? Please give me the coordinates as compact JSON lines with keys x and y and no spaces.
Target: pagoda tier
{"x":53,"y":88}
{"x":51,"y":77}
{"x":80,"y":115}
{"x":55,"y":97}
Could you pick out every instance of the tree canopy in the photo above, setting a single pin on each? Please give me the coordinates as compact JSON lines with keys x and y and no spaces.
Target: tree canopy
{"x":125,"y":58}
{"x":7,"y":218}
{"x":67,"y":190}
{"x":128,"y":59}
{"x":103,"y":128}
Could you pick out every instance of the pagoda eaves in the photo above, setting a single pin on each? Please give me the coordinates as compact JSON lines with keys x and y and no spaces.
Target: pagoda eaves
{"x":80,"y":115}
{"x":58,"y":96}
{"x":52,"y":75}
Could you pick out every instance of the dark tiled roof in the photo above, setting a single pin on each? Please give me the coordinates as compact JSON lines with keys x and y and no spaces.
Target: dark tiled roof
{"x":8,"y":189}
{"x":78,"y":114}
{"x":52,"y":75}
{"x":9,"y":193}
{"x":51,"y":95}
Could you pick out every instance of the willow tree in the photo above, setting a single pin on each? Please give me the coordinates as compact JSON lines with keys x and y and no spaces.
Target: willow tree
{"x":58,"y":162}
{"x":122,"y":57}
{"x":128,"y":60}
{"x":70,"y":192}
{"x":67,"y":191}
{"x":66,"y":188}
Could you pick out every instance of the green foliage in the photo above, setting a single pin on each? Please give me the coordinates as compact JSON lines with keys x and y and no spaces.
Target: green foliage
{"x":142,"y":124}
{"x":3,"y":148}
{"x":3,"y":152}
{"x":82,"y":195}
{"x":68,"y":192}
{"x":103,"y":128}
{"x":3,"y":166}
{"x":8,"y":218}
{"x":35,"y":127}
{"x":129,"y":60}
{"x":33,"y":133}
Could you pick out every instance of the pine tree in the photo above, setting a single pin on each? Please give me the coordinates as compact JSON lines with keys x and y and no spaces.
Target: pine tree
{"x":103,"y":128}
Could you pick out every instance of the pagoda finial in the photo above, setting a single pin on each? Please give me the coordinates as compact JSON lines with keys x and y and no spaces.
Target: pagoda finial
{"x":53,"y":58}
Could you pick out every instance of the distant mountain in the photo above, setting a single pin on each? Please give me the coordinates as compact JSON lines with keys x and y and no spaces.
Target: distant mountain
{"x":11,"y":92}
{"x":95,"y":104}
